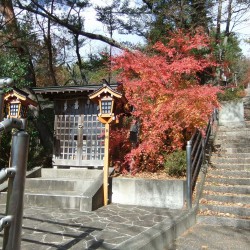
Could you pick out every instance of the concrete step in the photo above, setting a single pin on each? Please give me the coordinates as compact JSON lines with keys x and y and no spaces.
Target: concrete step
{"x":64,"y":200}
{"x":225,"y":129}
{"x":229,"y":173}
{"x":232,"y":211}
{"x":57,"y":184}
{"x":236,"y":150}
{"x":232,"y":167}
{"x":72,"y":173}
{"x":227,"y":189}
{"x":232,"y":134}
{"x":216,"y":160}
{"x":226,"y":194}
{"x":244,"y":138}
{"x":85,"y":201}
{"x":69,"y":200}
{"x":227,"y":155}
{"x":64,"y":188}
{"x":227,"y":198}
{"x":231,"y":144}
{"x":228,"y":181}
{"x":225,"y":221}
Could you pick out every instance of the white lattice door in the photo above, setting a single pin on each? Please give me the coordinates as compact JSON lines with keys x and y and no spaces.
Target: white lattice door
{"x":79,"y":139}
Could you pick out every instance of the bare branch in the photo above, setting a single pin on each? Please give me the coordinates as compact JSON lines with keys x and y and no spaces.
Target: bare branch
{"x":40,"y":10}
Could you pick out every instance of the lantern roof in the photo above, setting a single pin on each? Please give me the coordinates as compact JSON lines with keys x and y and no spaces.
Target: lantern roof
{"x":17,"y":94}
{"x":104,"y":89}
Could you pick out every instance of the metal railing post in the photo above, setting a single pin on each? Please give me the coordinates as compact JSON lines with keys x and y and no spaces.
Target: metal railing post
{"x":189,"y":174}
{"x":14,"y":207}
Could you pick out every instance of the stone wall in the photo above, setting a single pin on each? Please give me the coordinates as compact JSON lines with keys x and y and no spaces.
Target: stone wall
{"x":231,"y":114}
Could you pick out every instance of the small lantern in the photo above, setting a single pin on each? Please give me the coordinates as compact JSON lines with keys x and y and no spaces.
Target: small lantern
{"x":105,"y":97}
{"x":106,"y":104}
{"x":17,"y":103}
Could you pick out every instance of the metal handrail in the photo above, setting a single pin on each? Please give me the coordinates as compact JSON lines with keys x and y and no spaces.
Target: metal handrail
{"x":11,"y":223}
{"x":5,"y":221}
{"x":196,"y":148}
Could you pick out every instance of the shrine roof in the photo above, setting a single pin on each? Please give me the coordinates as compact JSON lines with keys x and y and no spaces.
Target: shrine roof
{"x":55,"y":91}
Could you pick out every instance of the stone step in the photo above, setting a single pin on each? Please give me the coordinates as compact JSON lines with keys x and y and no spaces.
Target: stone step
{"x":60,"y":199}
{"x":238,"y":167}
{"x":229,"y":173}
{"x":222,"y":129}
{"x":38,"y":184}
{"x":227,"y":198}
{"x":229,"y":150}
{"x":72,"y":173}
{"x":231,"y":144}
{"x":232,"y":139}
{"x":227,"y":189}
{"x":245,"y":133}
{"x":58,"y":184}
{"x":64,"y":188}
{"x":228,"y":181}
{"x":225,"y":221}
{"x":69,"y":200}
{"x":216,"y":160}
{"x":242,"y":212}
{"x":227,"y":155}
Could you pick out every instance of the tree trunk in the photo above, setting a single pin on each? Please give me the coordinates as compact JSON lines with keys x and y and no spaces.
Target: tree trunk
{"x":50,"y":52}
{"x":228,"y":22}
{"x":218,"y":24}
{"x":79,"y":60}
{"x":15,"y":38}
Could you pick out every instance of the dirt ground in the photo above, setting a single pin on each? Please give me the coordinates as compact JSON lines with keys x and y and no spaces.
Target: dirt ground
{"x":159,"y":175}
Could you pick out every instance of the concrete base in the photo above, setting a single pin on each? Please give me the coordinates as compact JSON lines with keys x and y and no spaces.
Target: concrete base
{"x":152,"y":193}
{"x":231,"y":114}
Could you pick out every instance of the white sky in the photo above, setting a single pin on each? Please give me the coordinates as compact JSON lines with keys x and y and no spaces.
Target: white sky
{"x":91,"y":25}
{"x":244,"y":33}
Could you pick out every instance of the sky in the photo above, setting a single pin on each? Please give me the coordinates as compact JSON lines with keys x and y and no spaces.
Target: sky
{"x":91,"y":25}
{"x":244,"y":32}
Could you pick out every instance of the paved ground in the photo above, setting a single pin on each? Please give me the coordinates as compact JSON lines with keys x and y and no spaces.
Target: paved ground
{"x":109,"y":227}
{"x":213,"y":237}
{"x":120,"y":227}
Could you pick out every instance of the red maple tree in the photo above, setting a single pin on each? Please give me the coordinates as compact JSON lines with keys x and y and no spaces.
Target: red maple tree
{"x":166,"y":93}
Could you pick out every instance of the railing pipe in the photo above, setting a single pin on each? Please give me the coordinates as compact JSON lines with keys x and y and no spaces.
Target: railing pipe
{"x":14,"y":207}
{"x":5,"y":222}
{"x":5,"y":173}
{"x":189,"y":174}
{"x":196,"y":152}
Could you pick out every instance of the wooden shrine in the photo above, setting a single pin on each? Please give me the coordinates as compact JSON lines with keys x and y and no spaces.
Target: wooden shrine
{"x":78,"y":134}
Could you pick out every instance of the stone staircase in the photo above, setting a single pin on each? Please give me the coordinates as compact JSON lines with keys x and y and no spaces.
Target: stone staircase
{"x":79,"y":189}
{"x":226,"y":192}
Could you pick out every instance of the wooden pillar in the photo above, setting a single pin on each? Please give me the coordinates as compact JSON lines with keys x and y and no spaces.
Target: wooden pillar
{"x":106,"y":164}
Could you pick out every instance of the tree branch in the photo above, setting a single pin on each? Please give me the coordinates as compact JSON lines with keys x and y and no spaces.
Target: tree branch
{"x":40,"y":10}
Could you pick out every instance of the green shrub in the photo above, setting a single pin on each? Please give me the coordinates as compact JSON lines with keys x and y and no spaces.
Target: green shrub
{"x":232,"y":94}
{"x":175,"y":163}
